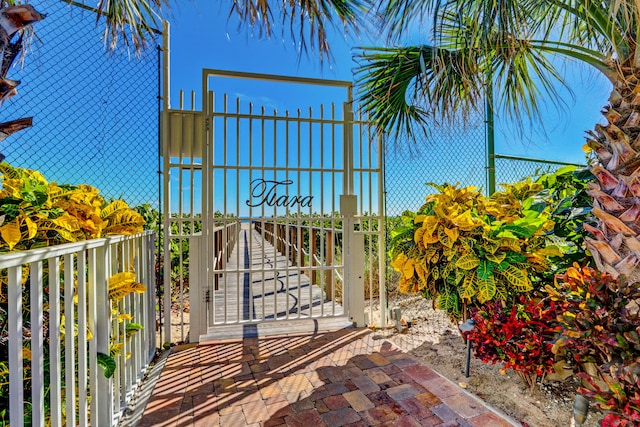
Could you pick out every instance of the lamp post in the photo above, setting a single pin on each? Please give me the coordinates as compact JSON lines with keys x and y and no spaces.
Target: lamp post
{"x":465,"y":328}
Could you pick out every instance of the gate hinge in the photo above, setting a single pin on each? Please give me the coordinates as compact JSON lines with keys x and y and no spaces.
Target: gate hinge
{"x":206,"y":123}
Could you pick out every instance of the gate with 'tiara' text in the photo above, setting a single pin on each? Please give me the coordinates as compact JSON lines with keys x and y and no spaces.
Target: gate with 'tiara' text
{"x":274,"y":220}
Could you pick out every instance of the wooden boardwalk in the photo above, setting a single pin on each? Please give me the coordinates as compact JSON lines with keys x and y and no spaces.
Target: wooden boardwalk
{"x":261,"y":293}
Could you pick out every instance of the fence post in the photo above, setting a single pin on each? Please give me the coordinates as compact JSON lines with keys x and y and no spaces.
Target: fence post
{"x":491,"y":166}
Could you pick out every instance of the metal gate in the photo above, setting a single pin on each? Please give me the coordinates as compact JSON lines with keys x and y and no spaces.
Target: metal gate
{"x":274,"y":220}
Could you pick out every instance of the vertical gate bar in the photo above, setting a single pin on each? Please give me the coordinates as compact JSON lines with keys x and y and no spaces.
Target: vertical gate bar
{"x":69,"y":340}
{"x":287,"y":230}
{"x":276,"y":230}
{"x":333,"y":206}
{"x":37,"y":347}
{"x":262,"y":216}
{"x":250,"y":231}
{"x":296,"y":261}
{"x":208,"y":202}
{"x":16,"y":385}
{"x":321,"y":271}
{"x":55,"y":367}
{"x":224,"y":204}
{"x":310,"y":221}
{"x":239,"y":265}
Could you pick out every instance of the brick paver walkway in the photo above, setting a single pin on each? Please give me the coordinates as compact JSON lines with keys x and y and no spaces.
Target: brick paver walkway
{"x":349,"y":377}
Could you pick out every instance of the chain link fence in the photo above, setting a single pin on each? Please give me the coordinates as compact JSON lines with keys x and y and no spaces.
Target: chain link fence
{"x":95,"y":113}
{"x":447,"y":155}
{"x":511,"y":169}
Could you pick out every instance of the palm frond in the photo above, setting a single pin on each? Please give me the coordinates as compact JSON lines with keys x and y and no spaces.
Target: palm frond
{"x":307,"y":20}
{"x":131,"y":21}
{"x":402,"y":90}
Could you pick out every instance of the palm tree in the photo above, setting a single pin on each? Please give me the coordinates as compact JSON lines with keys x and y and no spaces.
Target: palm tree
{"x":307,"y":20}
{"x":506,"y":46}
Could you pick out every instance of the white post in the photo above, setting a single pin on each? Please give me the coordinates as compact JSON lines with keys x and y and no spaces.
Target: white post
{"x":16,"y":386}
{"x":198,"y":288}
{"x":355,"y":259}
{"x":165,"y":150}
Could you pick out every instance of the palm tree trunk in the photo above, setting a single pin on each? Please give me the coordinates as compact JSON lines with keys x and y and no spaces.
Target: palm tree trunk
{"x":615,"y":245}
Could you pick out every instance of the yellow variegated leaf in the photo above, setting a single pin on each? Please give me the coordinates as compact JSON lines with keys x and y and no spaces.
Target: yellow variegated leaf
{"x":421,"y":272}
{"x":32,"y":227}
{"x":468,"y":261}
{"x":417,"y":237}
{"x":444,"y":238}
{"x":497,"y":258}
{"x":452,"y":233}
{"x":538,"y":262}
{"x":491,"y":245}
{"x":553,"y":292}
{"x":430,"y":224}
{"x":399,"y":261}
{"x":460,"y":274}
{"x":67,"y":222}
{"x":122,"y":284}
{"x":407,"y":286}
{"x":124,"y":222}
{"x":124,"y":316}
{"x":113,"y":208}
{"x":518,"y":279}
{"x":64,"y":233}
{"x":124,"y":277}
{"x":467,"y":243}
{"x":26,"y":353}
{"x":407,"y":269}
{"x":120,"y":292}
{"x":465,"y":221}
{"x":551,"y":250}
{"x":115,"y":349}
{"x":486,"y":289}
{"x":419,"y":218}
{"x":501,"y":291}
{"x":510,"y":244}
{"x":429,"y":239}
{"x":435,"y":273}
{"x":468,"y":285}
{"x":10,"y":233}
{"x":447,"y":269}
{"x":429,"y":252}
{"x":450,"y":253}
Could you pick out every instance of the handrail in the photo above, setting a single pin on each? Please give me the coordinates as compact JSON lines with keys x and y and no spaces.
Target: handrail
{"x":285,"y":236}
{"x":73,"y":326}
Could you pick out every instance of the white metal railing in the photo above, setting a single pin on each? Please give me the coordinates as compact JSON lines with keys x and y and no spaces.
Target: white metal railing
{"x":69,"y":324}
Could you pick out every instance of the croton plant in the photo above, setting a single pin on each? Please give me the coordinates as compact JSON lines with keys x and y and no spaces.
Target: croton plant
{"x":462,"y":249}
{"x":36,"y":213}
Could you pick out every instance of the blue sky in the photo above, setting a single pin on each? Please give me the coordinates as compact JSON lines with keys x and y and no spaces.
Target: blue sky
{"x":202,"y":36}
